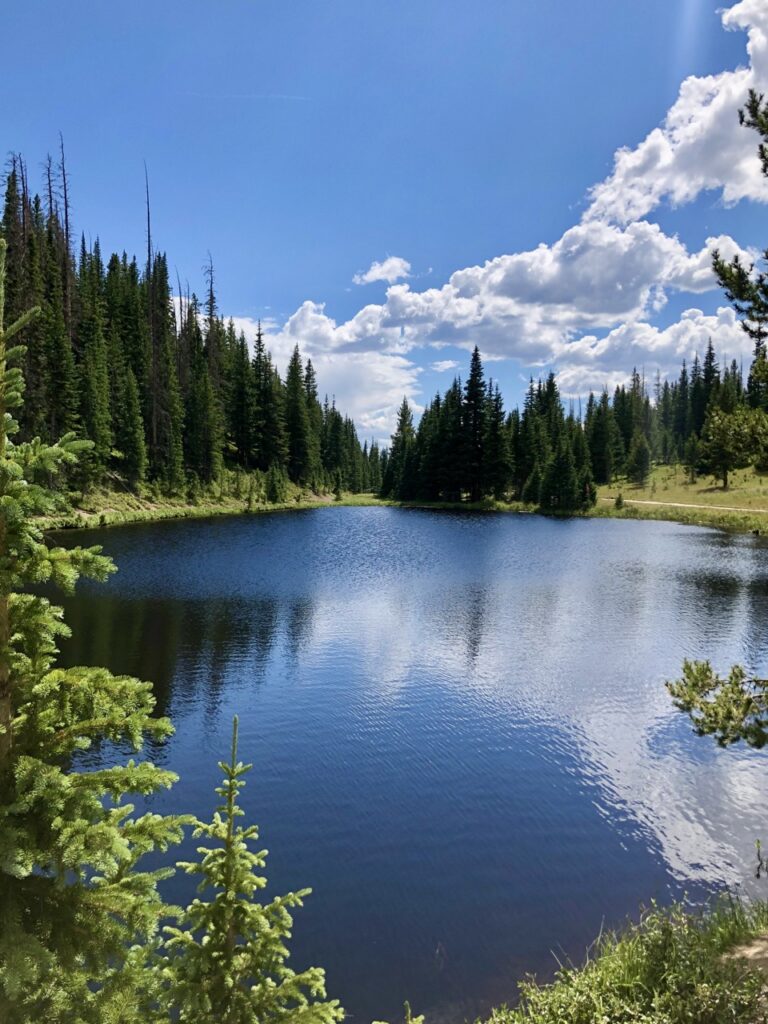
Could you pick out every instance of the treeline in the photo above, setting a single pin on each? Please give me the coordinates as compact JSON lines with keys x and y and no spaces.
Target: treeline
{"x":466,"y":448}
{"x":174,"y":398}
{"x":169,"y":393}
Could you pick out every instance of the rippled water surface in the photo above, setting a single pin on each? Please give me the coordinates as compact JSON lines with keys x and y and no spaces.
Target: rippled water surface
{"x":460,"y":734}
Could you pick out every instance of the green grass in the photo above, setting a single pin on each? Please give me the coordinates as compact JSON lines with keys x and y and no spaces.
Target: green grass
{"x":745,"y":501}
{"x":113,"y":508}
{"x":732,"y":522}
{"x":668,"y":969}
{"x":747,"y":489}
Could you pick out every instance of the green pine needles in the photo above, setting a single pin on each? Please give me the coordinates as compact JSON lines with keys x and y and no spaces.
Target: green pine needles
{"x":72,"y":897}
{"x":80,"y":918}
{"x":226,"y":960}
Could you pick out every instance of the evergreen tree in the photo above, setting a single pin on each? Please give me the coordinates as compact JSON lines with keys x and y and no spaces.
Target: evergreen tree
{"x":692,"y":457}
{"x":559,"y":490}
{"x":203,"y":425}
{"x":165,"y":418}
{"x":61,"y":391}
{"x":301,"y":463}
{"x":374,"y":467}
{"x":531,"y":492}
{"x":600,"y":437}
{"x":13,"y":233}
{"x":315,"y":417}
{"x":227,"y":962}
{"x":449,"y":441}
{"x":474,"y":428}
{"x":241,"y":405}
{"x":682,"y":420}
{"x":710,"y":376}
{"x":639,"y":459}
{"x":731,"y":392}
{"x":269,"y":438}
{"x":95,"y":408}
{"x":757,"y":382}
{"x":276,"y":485}
{"x":747,"y":291}
{"x":728,"y":442}
{"x":78,"y":914}
{"x":396,"y":483}
{"x":130,"y":428}
{"x":32,"y":416}
{"x":698,"y":397}
{"x":497,"y":455}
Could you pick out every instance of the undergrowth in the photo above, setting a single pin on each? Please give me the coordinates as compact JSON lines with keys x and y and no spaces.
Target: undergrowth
{"x":669,"y":968}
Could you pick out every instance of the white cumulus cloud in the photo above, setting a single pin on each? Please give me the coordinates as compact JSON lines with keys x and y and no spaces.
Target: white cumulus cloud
{"x":393,"y":268}
{"x":700,"y":145}
{"x":590,"y":363}
{"x":584,"y":302}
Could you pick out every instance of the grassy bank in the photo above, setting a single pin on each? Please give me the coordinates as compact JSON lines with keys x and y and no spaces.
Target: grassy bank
{"x":731,"y":520}
{"x":747,"y":490}
{"x":111,"y":508}
{"x":671,"y":968}
{"x":668,"y":496}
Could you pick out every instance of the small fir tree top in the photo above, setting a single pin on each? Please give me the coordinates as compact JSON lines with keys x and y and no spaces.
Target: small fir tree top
{"x":227,"y":962}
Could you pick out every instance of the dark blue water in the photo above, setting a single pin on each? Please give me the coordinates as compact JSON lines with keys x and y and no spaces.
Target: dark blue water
{"x":460,"y":734}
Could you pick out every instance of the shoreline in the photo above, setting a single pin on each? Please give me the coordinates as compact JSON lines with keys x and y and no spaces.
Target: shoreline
{"x":121,"y":509}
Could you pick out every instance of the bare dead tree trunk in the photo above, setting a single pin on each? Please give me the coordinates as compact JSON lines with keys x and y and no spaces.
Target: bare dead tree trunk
{"x":49,"y":183}
{"x":151,"y":320}
{"x":67,"y":239}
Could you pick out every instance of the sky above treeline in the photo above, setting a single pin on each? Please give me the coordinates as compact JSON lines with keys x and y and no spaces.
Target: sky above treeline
{"x":388,"y":184}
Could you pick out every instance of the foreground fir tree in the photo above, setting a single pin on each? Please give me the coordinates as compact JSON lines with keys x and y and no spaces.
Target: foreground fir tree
{"x":77,"y":914}
{"x":227,"y":958}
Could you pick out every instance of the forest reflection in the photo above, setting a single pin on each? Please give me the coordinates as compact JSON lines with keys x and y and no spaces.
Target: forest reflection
{"x":187,"y":649}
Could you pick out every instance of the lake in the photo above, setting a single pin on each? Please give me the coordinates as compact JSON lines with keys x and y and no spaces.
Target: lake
{"x":460,"y":734}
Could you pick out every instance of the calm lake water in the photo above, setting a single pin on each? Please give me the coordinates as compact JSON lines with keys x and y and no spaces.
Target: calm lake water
{"x":460,"y":734}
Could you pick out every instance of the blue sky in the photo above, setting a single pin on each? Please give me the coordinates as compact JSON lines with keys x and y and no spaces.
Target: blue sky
{"x":302,"y":142}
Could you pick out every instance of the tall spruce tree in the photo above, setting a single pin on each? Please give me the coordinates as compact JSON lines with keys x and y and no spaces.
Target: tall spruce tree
{"x":301,"y":450}
{"x":78,"y":913}
{"x":95,"y":409}
{"x":497,"y":453}
{"x":241,"y":404}
{"x":475,"y":414}
{"x":203,"y":428}
{"x":165,"y":414}
{"x":397,"y":480}
{"x":61,"y":396}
